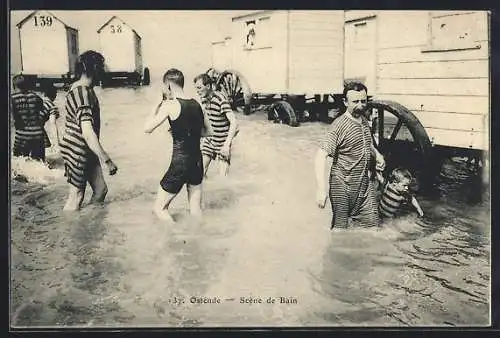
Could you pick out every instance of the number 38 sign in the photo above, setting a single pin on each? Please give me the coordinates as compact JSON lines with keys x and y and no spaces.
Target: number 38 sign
{"x":43,"y":21}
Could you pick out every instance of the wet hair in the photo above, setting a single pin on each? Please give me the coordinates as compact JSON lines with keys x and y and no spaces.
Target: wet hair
{"x":175,"y":76}
{"x":50,"y":91}
{"x":400,"y":174}
{"x":205,"y":79}
{"x":354,"y":85}
{"x":90,"y":63}
{"x":20,"y":82}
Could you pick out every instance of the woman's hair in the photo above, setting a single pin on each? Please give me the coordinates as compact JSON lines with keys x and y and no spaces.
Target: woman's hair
{"x":90,"y":63}
{"x":400,"y":174}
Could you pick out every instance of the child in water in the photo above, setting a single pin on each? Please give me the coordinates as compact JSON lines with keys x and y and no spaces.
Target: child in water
{"x":396,"y":193}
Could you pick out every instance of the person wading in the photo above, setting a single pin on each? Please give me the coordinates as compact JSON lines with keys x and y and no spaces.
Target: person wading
{"x":81,"y":149}
{"x":349,"y":142}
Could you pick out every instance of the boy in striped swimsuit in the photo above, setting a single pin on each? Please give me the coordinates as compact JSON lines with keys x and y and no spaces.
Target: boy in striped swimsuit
{"x":52,"y":113}
{"x":29,"y":119}
{"x":396,"y":193}
{"x":223,"y":121}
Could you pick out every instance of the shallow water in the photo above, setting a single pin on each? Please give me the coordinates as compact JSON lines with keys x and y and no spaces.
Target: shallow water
{"x":262,"y":238}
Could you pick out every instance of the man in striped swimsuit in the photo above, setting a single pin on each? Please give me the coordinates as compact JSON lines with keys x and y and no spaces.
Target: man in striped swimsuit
{"x":81,"y":149}
{"x":52,"y":112}
{"x":28,"y":115}
{"x":224,"y":125}
{"x":349,"y":142}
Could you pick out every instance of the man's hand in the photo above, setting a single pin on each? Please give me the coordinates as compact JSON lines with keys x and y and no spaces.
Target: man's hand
{"x":112,"y":168}
{"x":225,"y":150}
{"x":380,"y":166}
{"x":321,"y":196}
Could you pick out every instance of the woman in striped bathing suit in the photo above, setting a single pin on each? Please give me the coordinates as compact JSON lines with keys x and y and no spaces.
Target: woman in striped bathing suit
{"x":28,"y":115}
{"x":80,"y":146}
{"x":349,"y":142}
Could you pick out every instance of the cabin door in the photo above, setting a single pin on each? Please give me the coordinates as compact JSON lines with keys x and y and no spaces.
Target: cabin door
{"x":360,"y":52}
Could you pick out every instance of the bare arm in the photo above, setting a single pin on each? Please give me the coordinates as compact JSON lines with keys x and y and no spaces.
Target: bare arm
{"x":52,"y":130}
{"x":93,"y":142}
{"x":233,"y":128}
{"x":319,"y":168}
{"x":414,"y":202}
{"x":159,"y":116}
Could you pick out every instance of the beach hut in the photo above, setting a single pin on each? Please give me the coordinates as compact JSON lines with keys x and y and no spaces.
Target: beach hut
{"x":49,"y":47}
{"x":121,"y":46}
{"x":429,"y":86}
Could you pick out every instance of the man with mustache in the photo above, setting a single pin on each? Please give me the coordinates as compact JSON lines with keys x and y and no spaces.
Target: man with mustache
{"x":349,"y":143}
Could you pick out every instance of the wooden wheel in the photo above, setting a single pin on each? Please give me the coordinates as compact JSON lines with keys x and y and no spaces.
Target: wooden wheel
{"x":236,"y":88}
{"x":401,"y":138}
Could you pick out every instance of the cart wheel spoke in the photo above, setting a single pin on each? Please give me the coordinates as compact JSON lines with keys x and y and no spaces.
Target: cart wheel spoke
{"x":396,"y":129}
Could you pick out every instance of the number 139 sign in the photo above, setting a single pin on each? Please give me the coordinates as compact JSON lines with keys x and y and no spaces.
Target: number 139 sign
{"x":43,"y":21}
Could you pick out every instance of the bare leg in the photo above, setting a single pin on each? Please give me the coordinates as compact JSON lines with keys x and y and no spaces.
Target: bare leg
{"x":99,"y":186}
{"x":206,"y":163}
{"x":75,"y":198}
{"x":223,"y":168}
{"x":163,"y":200}
{"x":194,"y":197}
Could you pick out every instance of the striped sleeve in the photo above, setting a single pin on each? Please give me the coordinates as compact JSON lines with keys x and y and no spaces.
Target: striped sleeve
{"x":81,"y":99}
{"x":221,"y":104}
{"x":333,"y":137}
{"x":49,"y":108}
{"x":225,"y":107}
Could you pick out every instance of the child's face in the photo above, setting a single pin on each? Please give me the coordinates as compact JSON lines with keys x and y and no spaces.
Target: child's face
{"x":402,"y":186}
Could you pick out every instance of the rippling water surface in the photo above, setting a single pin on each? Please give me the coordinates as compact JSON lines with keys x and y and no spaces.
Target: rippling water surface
{"x":262,"y":237}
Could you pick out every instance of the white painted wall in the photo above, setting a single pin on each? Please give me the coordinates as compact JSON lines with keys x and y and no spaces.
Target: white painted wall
{"x":118,"y":47}
{"x":44,"y":47}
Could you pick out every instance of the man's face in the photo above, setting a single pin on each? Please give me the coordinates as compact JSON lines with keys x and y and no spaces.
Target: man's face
{"x":356,"y":102}
{"x":201,"y":89}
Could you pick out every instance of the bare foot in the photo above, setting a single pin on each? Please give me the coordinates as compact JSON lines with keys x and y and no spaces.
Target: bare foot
{"x":71,"y":206}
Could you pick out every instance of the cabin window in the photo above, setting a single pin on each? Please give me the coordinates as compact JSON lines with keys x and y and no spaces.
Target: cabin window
{"x":73,"y":44}
{"x":453,"y":31}
{"x":257,"y":33}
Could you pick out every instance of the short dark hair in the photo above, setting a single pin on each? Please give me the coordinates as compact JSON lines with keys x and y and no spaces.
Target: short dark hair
{"x":174,"y":75}
{"x":354,"y":85}
{"x":50,"y":91}
{"x":205,"y":79}
{"x":90,"y":63}
{"x":400,"y":174}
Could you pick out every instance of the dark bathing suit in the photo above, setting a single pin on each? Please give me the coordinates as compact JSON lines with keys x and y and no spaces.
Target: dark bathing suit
{"x":186,"y":166}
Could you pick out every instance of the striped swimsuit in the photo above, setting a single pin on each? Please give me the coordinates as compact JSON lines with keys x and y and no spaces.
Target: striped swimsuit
{"x":49,"y":109}
{"x":216,"y":107}
{"x":81,"y":104}
{"x":391,"y":201}
{"x":29,"y":118}
{"x":352,"y":194}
